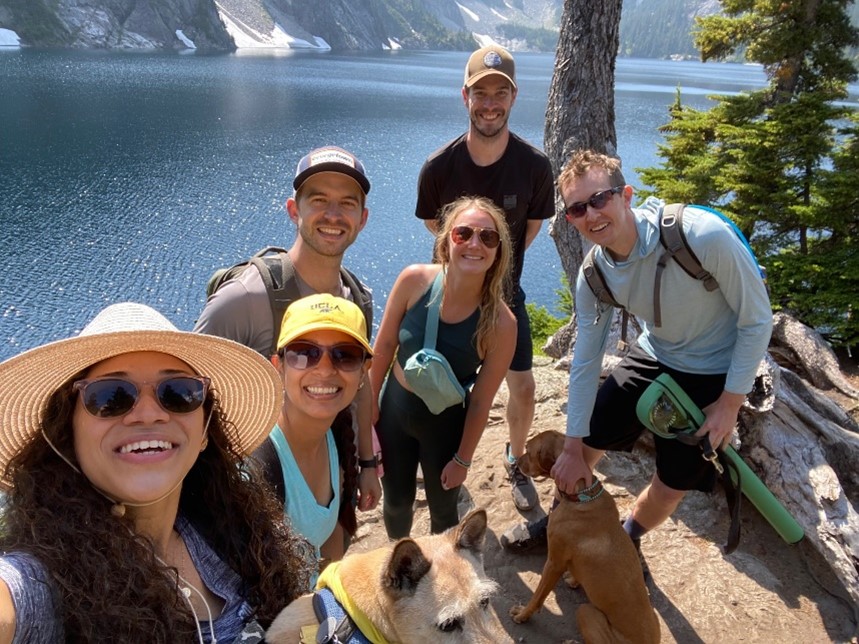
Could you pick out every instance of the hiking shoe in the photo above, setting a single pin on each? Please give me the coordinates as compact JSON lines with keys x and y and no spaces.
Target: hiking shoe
{"x":521,"y":486}
{"x":644,"y":567}
{"x":527,"y":537}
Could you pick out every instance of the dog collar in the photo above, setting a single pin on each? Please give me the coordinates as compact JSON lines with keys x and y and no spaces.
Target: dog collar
{"x":585,"y":496}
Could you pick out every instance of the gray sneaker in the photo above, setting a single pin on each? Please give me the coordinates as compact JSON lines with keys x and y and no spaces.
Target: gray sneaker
{"x":522,"y":487}
{"x":529,"y":537}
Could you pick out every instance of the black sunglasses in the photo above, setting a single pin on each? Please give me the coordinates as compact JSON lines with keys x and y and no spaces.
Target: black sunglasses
{"x":114,"y":397}
{"x":596,"y":201}
{"x":488,"y":237}
{"x":303,"y":354}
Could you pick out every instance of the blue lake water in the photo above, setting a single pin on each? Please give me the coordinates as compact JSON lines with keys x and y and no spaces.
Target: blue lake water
{"x":133,"y":176}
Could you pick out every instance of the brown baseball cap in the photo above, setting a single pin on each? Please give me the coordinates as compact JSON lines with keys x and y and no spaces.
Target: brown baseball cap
{"x":493,"y":59}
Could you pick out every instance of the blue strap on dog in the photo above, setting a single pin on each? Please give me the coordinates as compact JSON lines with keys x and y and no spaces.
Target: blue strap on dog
{"x":335,"y":625}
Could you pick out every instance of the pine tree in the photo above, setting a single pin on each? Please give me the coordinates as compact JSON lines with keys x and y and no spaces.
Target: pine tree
{"x":774,"y":159}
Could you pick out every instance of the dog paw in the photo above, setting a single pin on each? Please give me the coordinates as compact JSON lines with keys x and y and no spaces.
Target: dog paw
{"x":518,"y":614}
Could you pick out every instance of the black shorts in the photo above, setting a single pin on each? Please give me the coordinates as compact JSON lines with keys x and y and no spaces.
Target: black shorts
{"x":523,"y":357}
{"x":615,"y":425}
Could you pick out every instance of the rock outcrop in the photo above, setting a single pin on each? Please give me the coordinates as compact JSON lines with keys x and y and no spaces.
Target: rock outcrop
{"x":342,"y":25}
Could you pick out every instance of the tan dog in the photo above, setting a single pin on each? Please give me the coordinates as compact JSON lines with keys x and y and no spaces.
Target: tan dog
{"x":424,"y":590}
{"x":586,"y":538}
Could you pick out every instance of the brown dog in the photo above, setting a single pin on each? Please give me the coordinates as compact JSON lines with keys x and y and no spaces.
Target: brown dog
{"x":428,"y":590}
{"x":586,"y":538}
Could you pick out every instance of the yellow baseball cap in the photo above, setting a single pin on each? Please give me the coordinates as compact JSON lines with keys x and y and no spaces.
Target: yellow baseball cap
{"x":323,"y":312}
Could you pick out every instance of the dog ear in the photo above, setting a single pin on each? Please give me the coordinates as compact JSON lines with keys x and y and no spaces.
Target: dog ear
{"x":546,"y":456}
{"x":470,"y":533}
{"x":406,"y":567}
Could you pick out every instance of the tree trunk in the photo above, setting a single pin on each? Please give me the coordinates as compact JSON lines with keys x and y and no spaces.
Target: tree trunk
{"x":580,"y":114}
{"x":580,"y":110}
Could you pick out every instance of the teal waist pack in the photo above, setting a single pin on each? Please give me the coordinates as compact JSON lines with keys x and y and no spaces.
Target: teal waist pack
{"x":430,"y":377}
{"x":428,"y":373}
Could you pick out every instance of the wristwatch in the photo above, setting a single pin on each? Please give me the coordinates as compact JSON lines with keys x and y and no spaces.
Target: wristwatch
{"x":365,"y":463}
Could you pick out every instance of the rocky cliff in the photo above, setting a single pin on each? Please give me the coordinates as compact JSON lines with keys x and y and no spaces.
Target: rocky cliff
{"x":227,"y":24}
{"x":116,"y":24}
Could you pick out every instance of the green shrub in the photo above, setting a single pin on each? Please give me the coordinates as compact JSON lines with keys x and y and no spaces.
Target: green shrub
{"x":543,"y":324}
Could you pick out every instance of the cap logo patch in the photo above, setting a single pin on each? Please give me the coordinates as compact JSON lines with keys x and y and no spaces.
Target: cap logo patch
{"x":333,"y":156}
{"x":492,"y":59}
{"x":325,"y":308}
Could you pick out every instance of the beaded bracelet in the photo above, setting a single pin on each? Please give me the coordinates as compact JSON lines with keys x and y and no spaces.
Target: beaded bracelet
{"x":460,"y":462}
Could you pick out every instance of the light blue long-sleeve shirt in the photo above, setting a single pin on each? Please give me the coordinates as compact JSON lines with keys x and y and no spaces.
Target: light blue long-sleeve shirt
{"x":702,"y":332}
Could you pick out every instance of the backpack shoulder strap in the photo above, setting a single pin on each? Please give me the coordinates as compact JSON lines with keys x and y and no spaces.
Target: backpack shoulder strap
{"x":278,"y":275}
{"x":361,"y":295}
{"x":674,"y":240}
{"x":596,"y":280}
{"x":266,"y":456}
{"x":431,"y":328}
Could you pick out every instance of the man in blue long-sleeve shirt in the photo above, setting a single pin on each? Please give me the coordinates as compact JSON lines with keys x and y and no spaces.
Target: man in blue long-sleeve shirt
{"x":711,"y":342}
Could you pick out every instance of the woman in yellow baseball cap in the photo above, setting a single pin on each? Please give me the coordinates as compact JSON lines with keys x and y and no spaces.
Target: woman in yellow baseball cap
{"x":322,"y":357}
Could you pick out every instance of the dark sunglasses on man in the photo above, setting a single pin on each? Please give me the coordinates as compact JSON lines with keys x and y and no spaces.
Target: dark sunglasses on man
{"x":597,"y":201}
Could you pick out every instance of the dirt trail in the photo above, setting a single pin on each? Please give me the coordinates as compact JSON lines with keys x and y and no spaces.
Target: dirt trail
{"x":766,"y":591}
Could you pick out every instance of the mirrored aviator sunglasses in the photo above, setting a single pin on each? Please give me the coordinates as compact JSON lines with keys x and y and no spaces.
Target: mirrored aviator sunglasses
{"x":462,"y":234}
{"x":113,"y":397}
{"x":306,"y":355}
{"x":597,"y":201}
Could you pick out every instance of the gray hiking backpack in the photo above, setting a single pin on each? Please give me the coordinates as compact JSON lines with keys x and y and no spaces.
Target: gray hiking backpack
{"x":278,"y":274}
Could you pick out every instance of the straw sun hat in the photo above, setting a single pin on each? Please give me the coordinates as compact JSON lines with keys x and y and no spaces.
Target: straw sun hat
{"x":248,"y":387}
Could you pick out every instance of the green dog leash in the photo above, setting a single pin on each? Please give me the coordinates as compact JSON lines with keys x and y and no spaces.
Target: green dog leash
{"x":666,"y":410}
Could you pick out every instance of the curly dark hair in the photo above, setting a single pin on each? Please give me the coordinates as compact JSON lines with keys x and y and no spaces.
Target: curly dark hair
{"x":110,"y":584}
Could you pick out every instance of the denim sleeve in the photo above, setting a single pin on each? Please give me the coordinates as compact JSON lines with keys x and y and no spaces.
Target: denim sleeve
{"x":37,"y":617}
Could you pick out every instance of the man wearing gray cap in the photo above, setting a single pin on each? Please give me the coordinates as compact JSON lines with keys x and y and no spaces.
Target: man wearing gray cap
{"x":328,"y":209}
{"x":490,"y":161}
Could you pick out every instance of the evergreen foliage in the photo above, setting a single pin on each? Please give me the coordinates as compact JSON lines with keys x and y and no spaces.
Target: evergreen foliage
{"x":543,"y":324}
{"x":37,"y":22}
{"x":775,"y":160}
{"x":657,"y":28}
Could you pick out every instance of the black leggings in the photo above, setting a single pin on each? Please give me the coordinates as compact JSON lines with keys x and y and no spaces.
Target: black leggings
{"x":410,"y":434}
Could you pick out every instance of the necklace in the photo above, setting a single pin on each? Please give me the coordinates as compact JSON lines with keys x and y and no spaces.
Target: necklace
{"x":185,"y":589}
{"x":186,"y":593}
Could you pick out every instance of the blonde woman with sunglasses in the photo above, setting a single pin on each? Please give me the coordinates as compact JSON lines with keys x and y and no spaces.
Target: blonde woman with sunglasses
{"x":477,"y":335}
{"x":323,"y":354}
{"x":130,"y":515}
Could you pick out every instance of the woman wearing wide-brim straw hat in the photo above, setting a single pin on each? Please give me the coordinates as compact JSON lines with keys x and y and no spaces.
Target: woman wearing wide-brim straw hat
{"x":130,"y":515}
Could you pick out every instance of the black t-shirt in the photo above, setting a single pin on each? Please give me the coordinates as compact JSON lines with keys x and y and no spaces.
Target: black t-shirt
{"x":520,"y":183}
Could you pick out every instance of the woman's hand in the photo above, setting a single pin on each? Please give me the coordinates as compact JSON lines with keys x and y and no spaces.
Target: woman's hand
{"x":453,"y":475}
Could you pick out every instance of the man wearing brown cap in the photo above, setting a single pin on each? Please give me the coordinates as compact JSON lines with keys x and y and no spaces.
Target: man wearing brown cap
{"x":490,"y":161}
{"x":328,"y":209}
